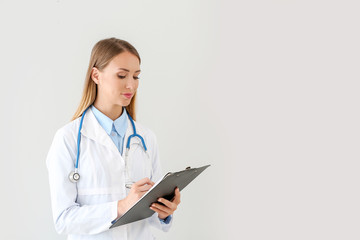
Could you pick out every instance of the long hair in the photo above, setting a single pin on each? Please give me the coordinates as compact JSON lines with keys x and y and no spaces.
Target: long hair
{"x":101,"y":54}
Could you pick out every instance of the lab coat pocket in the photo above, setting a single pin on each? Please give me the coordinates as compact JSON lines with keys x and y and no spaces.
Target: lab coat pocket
{"x":99,"y":171}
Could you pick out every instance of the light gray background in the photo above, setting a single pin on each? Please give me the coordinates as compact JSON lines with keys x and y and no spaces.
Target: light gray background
{"x":265,"y":91}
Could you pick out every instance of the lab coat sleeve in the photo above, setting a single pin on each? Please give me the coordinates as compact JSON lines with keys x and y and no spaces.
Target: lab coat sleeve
{"x":69,"y":217}
{"x":154,"y":220}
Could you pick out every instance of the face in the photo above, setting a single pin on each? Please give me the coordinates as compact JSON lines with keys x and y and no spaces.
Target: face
{"x":118,"y":82}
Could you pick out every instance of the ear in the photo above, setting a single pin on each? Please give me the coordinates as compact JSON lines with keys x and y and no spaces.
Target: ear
{"x":95,"y":75}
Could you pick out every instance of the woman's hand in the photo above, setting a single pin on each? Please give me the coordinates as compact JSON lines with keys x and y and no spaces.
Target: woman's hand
{"x":170,"y":206}
{"x":137,"y":190}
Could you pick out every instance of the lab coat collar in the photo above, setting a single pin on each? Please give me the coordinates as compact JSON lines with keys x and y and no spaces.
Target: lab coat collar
{"x":107,"y":123}
{"x":92,"y":129}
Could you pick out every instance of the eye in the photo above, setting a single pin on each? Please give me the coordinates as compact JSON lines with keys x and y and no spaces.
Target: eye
{"x":122,"y":77}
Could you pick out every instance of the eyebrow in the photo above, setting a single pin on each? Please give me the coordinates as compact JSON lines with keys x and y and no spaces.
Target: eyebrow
{"x":127,"y":69}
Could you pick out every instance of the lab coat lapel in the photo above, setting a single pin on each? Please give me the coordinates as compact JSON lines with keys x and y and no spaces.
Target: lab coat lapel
{"x":92,"y":129}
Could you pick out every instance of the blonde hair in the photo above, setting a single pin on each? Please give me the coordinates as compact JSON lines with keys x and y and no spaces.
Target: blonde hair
{"x":101,"y":54}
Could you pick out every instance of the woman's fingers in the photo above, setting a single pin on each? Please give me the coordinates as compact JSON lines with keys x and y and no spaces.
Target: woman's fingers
{"x":161,"y":213}
{"x":176,"y":199}
{"x":164,"y":210}
{"x":143,"y":185}
{"x":144,"y":181}
{"x":167,"y":203}
{"x":143,"y":188}
{"x":169,"y":207}
{"x":138,"y":189}
{"x":174,"y":202}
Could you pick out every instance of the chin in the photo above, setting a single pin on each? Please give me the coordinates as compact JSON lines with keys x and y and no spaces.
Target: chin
{"x":124,"y":104}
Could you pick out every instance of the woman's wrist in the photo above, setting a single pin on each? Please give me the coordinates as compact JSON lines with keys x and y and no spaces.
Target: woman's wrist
{"x":121,"y":207}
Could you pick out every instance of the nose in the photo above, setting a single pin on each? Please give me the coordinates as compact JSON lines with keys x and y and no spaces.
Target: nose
{"x":130,"y":83}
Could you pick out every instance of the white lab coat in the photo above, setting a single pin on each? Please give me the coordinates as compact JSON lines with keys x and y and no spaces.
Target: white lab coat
{"x":84,"y":210}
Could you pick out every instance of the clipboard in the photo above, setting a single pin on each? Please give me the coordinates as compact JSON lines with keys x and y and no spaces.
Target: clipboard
{"x":164,"y":188}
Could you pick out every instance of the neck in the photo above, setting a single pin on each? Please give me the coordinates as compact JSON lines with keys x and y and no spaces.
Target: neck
{"x":111,"y":111}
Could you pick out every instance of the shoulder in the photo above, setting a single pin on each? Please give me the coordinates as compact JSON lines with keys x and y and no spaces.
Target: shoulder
{"x":68,"y":132}
{"x":63,"y":143}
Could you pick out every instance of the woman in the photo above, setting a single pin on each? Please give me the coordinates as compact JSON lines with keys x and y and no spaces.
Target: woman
{"x":89,"y":193}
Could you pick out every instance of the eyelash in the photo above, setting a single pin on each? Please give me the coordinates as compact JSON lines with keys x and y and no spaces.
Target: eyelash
{"x":122,"y":77}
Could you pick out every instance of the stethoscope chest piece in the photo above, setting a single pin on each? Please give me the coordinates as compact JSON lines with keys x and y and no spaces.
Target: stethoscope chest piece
{"x":74,"y":177}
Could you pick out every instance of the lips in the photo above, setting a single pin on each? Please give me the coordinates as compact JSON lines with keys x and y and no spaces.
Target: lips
{"x":127,"y":95}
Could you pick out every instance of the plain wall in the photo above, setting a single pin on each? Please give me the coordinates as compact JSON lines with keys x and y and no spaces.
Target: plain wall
{"x":267,"y":92}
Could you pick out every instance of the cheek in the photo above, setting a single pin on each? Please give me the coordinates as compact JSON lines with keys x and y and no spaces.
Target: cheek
{"x":113,"y":86}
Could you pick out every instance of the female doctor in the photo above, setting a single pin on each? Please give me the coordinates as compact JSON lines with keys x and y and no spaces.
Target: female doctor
{"x":102,"y":162}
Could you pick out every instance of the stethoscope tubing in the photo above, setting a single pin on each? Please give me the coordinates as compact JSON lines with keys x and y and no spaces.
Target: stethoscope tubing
{"x":135,"y":135}
{"x":75,"y":173}
{"x":78,"y":140}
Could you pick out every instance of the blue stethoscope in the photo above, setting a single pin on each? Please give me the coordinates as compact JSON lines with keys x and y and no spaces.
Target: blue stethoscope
{"x":74,"y":176}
